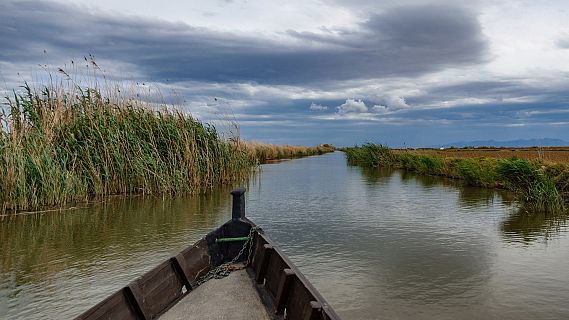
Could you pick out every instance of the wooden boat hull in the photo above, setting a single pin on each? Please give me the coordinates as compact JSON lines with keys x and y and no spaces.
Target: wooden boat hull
{"x":284,"y":291}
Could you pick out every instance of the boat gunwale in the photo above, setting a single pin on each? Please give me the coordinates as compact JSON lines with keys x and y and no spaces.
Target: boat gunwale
{"x":326,"y":308}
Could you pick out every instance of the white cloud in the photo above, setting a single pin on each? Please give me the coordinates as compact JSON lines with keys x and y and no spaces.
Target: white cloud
{"x":525,"y":37}
{"x":352,"y":106}
{"x":396,"y":103}
{"x":317,"y":107}
{"x":379,"y":109}
{"x":251,"y":15}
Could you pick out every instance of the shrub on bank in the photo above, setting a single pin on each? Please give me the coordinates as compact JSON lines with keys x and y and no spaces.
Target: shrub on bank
{"x":370,"y":155}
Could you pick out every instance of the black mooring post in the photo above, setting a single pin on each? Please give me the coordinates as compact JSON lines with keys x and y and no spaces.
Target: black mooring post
{"x":238,"y":209}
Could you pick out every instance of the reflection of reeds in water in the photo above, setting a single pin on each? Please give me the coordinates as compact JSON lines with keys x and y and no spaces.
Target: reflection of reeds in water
{"x":35,"y":247}
{"x":525,"y":225}
{"x":476,"y":197}
{"x":528,"y":226}
{"x":376,"y":175}
{"x":425,"y":180}
{"x":468,"y":196}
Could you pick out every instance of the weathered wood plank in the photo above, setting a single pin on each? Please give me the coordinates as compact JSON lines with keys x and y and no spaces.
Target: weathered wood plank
{"x":274,"y":273}
{"x":261,"y":271}
{"x":313,"y":311}
{"x":283,"y":291}
{"x":157,"y":290}
{"x":257,"y":254}
{"x":116,"y":306}
{"x":299,"y":301}
{"x":195,"y":261}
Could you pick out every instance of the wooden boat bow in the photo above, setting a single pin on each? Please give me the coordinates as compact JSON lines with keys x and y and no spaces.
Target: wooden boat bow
{"x":283,"y":290}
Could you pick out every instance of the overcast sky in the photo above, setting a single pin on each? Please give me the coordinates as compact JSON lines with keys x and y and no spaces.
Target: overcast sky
{"x":410,"y":72}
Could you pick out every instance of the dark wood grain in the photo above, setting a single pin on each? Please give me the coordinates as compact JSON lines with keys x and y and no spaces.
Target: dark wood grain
{"x":116,"y":306}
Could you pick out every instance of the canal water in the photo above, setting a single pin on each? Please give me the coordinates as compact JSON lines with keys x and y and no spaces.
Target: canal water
{"x":376,"y":243}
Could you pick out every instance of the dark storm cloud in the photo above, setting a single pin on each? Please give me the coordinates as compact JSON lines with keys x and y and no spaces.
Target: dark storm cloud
{"x":400,"y":42}
{"x":506,"y":91}
{"x":495,"y":114}
{"x":477,"y":87}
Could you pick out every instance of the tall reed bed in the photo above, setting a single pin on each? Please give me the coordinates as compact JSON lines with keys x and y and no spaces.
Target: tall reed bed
{"x":538,"y":185}
{"x":262,"y":152}
{"x":59,"y":146}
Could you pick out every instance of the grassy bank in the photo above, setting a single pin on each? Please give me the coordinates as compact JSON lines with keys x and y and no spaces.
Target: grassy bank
{"x":545,"y":154}
{"x":263,"y":152}
{"x":538,"y":185}
{"x":58,"y":147}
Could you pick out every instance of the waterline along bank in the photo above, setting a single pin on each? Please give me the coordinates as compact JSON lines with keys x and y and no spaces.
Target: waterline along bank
{"x":537,"y":185}
{"x":65,"y":145}
{"x":263,"y":152}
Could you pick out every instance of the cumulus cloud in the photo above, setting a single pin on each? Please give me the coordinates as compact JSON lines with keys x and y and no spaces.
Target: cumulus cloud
{"x":398,"y":103}
{"x":392,"y":102}
{"x":379,"y":109}
{"x":358,"y":106}
{"x":317,"y":107}
{"x":352,"y":106}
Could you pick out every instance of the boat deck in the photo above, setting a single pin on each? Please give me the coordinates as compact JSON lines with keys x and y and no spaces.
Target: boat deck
{"x":232,"y":297}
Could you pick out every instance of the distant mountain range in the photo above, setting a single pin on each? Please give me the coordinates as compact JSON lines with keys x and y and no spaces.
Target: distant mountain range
{"x":546,"y":142}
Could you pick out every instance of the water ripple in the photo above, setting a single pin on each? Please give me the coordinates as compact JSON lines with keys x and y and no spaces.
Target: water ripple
{"x":376,"y":243}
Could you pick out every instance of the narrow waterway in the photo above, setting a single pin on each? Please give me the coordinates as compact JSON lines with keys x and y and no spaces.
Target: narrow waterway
{"x":376,"y":243}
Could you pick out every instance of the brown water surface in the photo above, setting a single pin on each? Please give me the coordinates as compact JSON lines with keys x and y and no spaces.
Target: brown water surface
{"x":376,"y":243}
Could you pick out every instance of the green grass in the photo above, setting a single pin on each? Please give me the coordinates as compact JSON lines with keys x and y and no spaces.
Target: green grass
{"x":538,"y":186}
{"x":475,"y":172}
{"x":370,"y":155}
{"x":59,"y":147}
{"x":530,"y":182}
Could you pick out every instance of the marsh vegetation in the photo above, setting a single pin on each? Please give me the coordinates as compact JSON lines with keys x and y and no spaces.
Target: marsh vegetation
{"x":68,"y":144}
{"x":263,"y":152}
{"x":65,"y":146}
{"x":545,"y":154}
{"x":540,"y":185}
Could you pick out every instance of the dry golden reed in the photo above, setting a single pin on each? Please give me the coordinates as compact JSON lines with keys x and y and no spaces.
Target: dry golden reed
{"x":263,"y":152}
